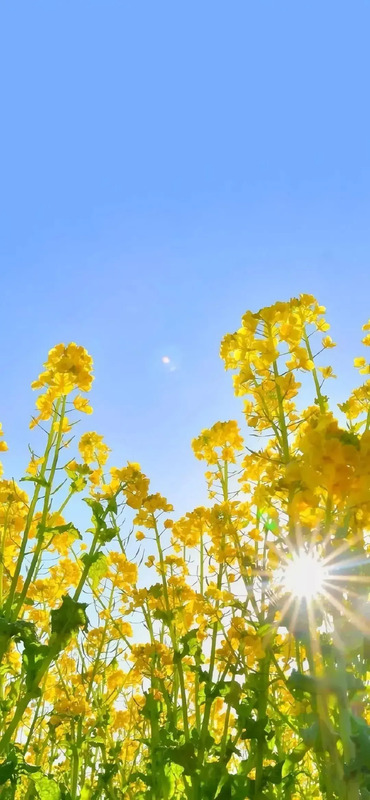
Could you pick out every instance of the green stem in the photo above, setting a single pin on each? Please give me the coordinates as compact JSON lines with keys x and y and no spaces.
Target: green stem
{"x":320,"y":398}
{"x":22,"y":549}
{"x":172,"y":633}
{"x":262,"y":701}
{"x":45,"y":511}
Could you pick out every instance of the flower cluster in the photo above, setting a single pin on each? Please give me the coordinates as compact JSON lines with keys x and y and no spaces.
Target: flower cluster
{"x":67,"y":368}
{"x":147,"y":657}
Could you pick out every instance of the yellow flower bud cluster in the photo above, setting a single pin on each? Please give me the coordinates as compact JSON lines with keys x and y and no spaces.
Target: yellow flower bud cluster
{"x":68,"y":367}
{"x":221,"y":442}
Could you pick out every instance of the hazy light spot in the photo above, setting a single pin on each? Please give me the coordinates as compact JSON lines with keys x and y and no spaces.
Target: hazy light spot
{"x":304,"y":576}
{"x":165,"y":360}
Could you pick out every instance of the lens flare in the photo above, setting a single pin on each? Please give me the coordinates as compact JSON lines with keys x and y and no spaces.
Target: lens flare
{"x":304,"y":576}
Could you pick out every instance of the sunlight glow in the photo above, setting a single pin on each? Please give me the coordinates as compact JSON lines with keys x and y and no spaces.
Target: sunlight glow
{"x":304,"y":576}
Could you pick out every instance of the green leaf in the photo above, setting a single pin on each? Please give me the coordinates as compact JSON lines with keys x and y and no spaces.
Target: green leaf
{"x":214,"y":690}
{"x":46,"y":788}
{"x":106,"y":534}
{"x":30,"y":769}
{"x":67,"y":620}
{"x":97,"y":564}
{"x":7,"y":771}
{"x":348,"y":437}
{"x":112,"y":505}
{"x":294,"y":757}
{"x":213,"y":774}
{"x":287,"y":768}
{"x":298,"y":682}
{"x":184,"y":756}
{"x":96,"y":507}
{"x":255,"y":729}
{"x":231,"y":693}
{"x":319,"y":737}
{"x":167,"y":617}
{"x":361,"y":739}
{"x":263,"y":630}
{"x":274,"y":774}
{"x":35,"y":657}
{"x":63,"y":529}
{"x":35,"y":479}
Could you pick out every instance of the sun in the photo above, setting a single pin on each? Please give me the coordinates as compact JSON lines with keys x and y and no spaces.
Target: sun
{"x":304,"y":576}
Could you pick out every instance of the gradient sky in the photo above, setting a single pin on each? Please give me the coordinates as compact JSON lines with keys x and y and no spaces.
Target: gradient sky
{"x":166,"y":166}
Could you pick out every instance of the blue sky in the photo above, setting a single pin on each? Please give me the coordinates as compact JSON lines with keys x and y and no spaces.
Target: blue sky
{"x":166,"y":166}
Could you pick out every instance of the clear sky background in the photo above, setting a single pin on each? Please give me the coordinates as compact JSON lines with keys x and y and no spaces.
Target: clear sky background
{"x":164,"y":167}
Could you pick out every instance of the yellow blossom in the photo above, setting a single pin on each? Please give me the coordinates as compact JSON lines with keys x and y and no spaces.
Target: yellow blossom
{"x":82,"y":404}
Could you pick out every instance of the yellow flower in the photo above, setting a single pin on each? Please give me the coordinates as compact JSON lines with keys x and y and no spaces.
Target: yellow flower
{"x":34,"y":465}
{"x":115,"y":680}
{"x":222,"y":441}
{"x":68,"y":367}
{"x":63,"y":425}
{"x":3,"y":445}
{"x":328,"y":342}
{"x":127,"y":571}
{"x":134,"y":483}
{"x":327,"y":372}
{"x":82,"y":404}
{"x":92,"y":448}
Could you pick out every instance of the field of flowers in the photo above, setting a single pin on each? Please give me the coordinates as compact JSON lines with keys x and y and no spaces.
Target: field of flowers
{"x":243,"y":671}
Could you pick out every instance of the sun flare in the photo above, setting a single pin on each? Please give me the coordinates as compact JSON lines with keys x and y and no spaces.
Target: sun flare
{"x":304,"y":576}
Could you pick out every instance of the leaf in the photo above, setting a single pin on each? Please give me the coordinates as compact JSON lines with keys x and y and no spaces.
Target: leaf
{"x":31,"y":769}
{"x":361,"y":739}
{"x":112,"y":505}
{"x":106,"y":534}
{"x":190,"y":643}
{"x":63,"y":529}
{"x":35,"y":657}
{"x":184,"y":756}
{"x":46,"y":788}
{"x":7,"y":771}
{"x":274,"y":774}
{"x":211,"y":776}
{"x":35,"y":479}
{"x":97,"y":564}
{"x":255,"y":729}
{"x":294,"y":757}
{"x":96,"y":507}
{"x":347,"y":437}
{"x":298,"y":682}
{"x":263,"y":630}
{"x":156,"y":590}
{"x":214,"y":690}
{"x":67,"y":620}
{"x":167,"y":617}
{"x":287,"y":768}
{"x":231,"y":693}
